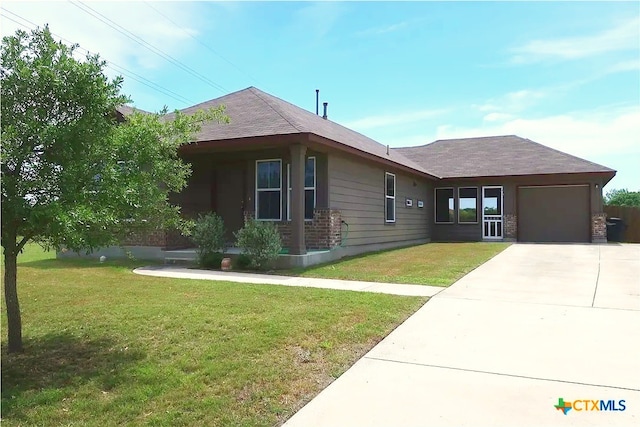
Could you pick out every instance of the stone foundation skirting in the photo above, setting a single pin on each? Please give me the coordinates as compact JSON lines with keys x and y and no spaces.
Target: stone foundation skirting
{"x":599,"y":228}
{"x":510,"y":227}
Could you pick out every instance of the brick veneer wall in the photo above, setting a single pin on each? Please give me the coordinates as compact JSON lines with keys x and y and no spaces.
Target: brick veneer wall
{"x":323,"y":232}
{"x":166,"y":239}
{"x":599,"y":227}
{"x":146,"y":238}
{"x":510,"y":226}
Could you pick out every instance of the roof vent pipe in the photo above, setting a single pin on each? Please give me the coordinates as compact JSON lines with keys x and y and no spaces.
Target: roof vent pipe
{"x":317,"y":99}
{"x":324,"y":104}
{"x":387,"y":149}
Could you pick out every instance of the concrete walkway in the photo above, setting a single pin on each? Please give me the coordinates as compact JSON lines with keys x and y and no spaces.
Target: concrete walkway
{"x":502,"y":345}
{"x":268,"y":279}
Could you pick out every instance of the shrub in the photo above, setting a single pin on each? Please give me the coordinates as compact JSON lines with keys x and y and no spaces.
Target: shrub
{"x":210,"y":260}
{"x":208,"y":235}
{"x":260,"y":241}
{"x":243,"y":262}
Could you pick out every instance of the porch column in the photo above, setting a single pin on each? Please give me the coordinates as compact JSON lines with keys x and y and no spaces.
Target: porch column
{"x":298,"y":245}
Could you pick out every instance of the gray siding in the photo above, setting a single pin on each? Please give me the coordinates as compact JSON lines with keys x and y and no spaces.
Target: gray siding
{"x":356,"y":188}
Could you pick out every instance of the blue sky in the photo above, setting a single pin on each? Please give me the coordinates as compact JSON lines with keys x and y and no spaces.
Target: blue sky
{"x":565,"y":74}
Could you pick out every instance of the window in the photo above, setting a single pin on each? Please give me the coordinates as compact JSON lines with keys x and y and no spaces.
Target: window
{"x":309,"y":189}
{"x":468,"y":205}
{"x":444,"y":206}
{"x":390,"y":197}
{"x":268,"y":189}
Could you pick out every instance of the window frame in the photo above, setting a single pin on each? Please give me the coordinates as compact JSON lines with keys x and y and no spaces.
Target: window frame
{"x":257,"y":190}
{"x":387,"y":197}
{"x":477,"y":197}
{"x":314,"y":188}
{"x":435,"y":204}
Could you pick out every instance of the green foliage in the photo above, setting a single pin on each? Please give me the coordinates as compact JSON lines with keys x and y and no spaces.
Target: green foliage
{"x":208,"y":235}
{"x":210,"y":260}
{"x":261,"y":241}
{"x":71,"y":175}
{"x":468,"y":215}
{"x":622,"y":197}
{"x":242,"y":262}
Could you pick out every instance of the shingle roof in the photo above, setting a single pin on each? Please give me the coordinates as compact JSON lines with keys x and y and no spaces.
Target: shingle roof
{"x":495,"y":156}
{"x":255,"y":113}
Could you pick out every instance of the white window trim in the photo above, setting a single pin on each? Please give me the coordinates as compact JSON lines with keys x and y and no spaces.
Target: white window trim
{"x":315,"y":177}
{"x":386,"y":220}
{"x":477,"y":197}
{"x":279,"y":189}
{"x":435,"y":204}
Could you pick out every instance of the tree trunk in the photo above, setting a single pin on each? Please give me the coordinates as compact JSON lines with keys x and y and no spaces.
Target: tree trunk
{"x":14,"y":323}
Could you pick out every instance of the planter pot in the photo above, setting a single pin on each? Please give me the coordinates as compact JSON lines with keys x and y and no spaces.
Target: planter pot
{"x":225,"y":265}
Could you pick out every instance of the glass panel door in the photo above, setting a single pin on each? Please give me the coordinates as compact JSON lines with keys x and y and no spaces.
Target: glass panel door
{"x":492,"y":212}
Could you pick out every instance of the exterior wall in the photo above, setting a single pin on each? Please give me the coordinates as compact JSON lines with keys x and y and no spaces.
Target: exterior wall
{"x":155,"y":238}
{"x":357,"y":190}
{"x":457,"y":232}
{"x":324,"y":232}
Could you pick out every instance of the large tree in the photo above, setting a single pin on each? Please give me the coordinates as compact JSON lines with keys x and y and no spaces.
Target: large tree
{"x":72,"y":176}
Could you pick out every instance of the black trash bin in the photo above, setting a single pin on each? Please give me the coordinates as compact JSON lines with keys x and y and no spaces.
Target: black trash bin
{"x":615,"y":229}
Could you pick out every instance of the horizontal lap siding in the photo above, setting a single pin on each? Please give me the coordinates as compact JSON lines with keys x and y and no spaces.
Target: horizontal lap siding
{"x":357,"y":190}
{"x":458,"y":232}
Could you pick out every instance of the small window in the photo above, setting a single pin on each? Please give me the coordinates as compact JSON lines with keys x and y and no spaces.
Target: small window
{"x":444,"y":205}
{"x":468,"y":205}
{"x":269,"y":190}
{"x":390,"y":197}
{"x":309,"y":189}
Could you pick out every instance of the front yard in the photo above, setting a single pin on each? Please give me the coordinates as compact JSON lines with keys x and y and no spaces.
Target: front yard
{"x":437,"y":264}
{"x":106,"y":347}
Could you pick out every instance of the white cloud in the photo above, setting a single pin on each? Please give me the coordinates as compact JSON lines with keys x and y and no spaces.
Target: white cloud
{"x":513,"y":102}
{"x":496,"y":117}
{"x":622,"y":37}
{"x":70,"y":22}
{"x":584,"y":134}
{"x":622,"y":66}
{"x":393,"y":119}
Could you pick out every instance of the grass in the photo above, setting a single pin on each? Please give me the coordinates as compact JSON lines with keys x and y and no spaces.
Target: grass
{"x":437,"y":264}
{"x":106,"y":347}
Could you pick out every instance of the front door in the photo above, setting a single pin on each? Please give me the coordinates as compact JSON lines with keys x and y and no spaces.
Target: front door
{"x":492,"y":212}
{"x":229,"y":189}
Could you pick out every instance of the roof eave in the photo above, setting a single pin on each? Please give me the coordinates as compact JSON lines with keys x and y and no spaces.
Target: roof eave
{"x":607,"y":174}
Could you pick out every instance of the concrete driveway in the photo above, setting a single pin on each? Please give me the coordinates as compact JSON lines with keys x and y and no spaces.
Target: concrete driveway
{"x":502,"y":345}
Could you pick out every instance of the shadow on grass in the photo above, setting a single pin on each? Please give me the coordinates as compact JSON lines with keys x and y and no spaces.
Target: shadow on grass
{"x":53,"y":264}
{"x":57,"y":361}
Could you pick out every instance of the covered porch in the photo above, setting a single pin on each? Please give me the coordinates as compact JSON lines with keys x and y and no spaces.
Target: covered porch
{"x":281,"y":180}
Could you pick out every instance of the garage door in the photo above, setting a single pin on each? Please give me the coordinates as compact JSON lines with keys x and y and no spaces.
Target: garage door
{"x":554,"y":214}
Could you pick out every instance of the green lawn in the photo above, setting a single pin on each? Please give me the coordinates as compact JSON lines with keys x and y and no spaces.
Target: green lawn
{"x":106,"y":347}
{"x":437,"y":264}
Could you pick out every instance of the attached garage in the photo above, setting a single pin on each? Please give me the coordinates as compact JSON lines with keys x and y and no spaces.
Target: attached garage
{"x":556,"y":213}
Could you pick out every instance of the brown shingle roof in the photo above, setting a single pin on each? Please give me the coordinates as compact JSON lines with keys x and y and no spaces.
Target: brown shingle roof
{"x":495,"y":156}
{"x":253,"y":112}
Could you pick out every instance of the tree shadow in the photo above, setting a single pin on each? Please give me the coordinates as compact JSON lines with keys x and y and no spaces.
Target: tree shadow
{"x":65,"y":263}
{"x":57,"y":361}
